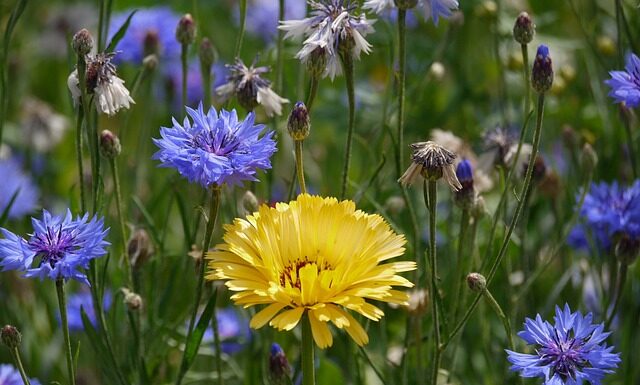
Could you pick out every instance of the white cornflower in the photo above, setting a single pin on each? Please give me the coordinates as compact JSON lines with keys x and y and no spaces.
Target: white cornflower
{"x":251,"y":89}
{"x":110,"y":94}
{"x":331,"y":24}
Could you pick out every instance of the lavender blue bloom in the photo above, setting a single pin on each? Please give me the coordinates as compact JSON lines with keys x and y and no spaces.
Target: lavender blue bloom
{"x":216,"y":148}
{"x":83,"y":300}
{"x":262,"y":16}
{"x":570,"y":352}
{"x":57,"y":249}
{"x":625,"y":85}
{"x":609,"y":211}
{"x":233,"y":330}
{"x":464,"y":171}
{"x":15,"y":181}
{"x":435,"y":9}
{"x":149,"y":26}
{"x":195,"y":90}
{"x":11,"y":376}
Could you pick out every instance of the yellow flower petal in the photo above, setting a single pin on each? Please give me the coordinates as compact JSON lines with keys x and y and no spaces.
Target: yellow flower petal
{"x":265,"y":315}
{"x":287,"y":320}
{"x":320,"y":331}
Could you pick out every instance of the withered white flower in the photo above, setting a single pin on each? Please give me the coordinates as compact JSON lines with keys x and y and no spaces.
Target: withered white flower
{"x":110,"y":93}
{"x":331,"y":24}
{"x":251,"y":88}
{"x":431,"y":160}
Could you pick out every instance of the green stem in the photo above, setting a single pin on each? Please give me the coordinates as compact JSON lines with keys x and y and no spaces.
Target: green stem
{"x":347,"y":64}
{"x":243,"y":19}
{"x":505,"y":320}
{"x":15,"y":353}
{"x":527,"y":81}
{"x":402,"y":41}
{"x":214,"y":206}
{"x":217,"y":344}
{"x":280,"y":51}
{"x":300,"y":167}
{"x":632,"y":149}
{"x":184,"y":50}
{"x":80,"y":156}
{"x":514,"y":220}
{"x":308,"y":368}
{"x":65,"y":330}
{"x":313,"y":90}
{"x":430,"y":189}
{"x":617,"y":295}
{"x":101,"y":26}
{"x":459,"y":273}
{"x":120,"y":209}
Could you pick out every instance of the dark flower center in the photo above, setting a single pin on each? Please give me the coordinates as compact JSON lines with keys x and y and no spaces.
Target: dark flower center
{"x":208,"y":141}
{"x":291,"y":273}
{"x":53,"y":245}
{"x":564,"y":356}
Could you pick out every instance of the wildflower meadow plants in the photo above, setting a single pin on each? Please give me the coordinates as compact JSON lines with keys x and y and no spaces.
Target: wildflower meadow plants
{"x":319,"y":192}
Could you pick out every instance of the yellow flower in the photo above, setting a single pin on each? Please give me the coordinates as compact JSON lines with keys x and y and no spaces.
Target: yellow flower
{"x":313,"y":255}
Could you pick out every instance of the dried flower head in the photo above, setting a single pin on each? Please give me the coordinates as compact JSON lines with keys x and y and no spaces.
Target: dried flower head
{"x":102,"y":80}
{"x":432,"y":161}
{"x":251,"y":88}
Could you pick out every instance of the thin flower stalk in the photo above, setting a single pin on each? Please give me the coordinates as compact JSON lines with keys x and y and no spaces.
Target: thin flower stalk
{"x":65,"y":330}
{"x":347,"y":64}
{"x":300,"y":166}
{"x":243,"y":21}
{"x":459,"y":271}
{"x":120,"y":209}
{"x":15,"y":354}
{"x":402,"y":43}
{"x":308,"y":365}
{"x":430,"y":192}
{"x":621,"y":279}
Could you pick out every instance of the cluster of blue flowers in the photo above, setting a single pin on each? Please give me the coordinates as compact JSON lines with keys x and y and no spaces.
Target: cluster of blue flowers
{"x":609,"y":212}
{"x":11,"y":376}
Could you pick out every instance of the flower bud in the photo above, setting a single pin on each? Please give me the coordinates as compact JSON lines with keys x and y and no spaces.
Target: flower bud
{"x":151,"y":43}
{"x":627,"y":249}
{"x":476,"y":282}
{"x":150,"y":62}
{"x":10,"y":336}
{"x":437,"y":71}
{"x":186,"y":30}
{"x":524,"y":29}
{"x":139,"y":248}
{"x":406,"y":4}
{"x":299,"y":123}
{"x":317,"y":63}
{"x":82,"y":42}
{"x":542,"y":72}
{"x":279,"y":368}
{"x":250,"y":202}
{"x":131,"y":299}
{"x":588,"y":158}
{"x":465,"y":196}
{"x":479,"y":208}
{"x":109,"y":144}
{"x":207,"y":54}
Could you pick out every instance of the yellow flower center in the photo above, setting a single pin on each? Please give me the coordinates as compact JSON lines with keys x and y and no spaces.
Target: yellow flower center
{"x":290,"y":275}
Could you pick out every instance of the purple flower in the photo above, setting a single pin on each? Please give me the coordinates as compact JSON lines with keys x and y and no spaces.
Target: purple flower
{"x":609,"y":211}
{"x":262,"y":16}
{"x":569,"y":352}
{"x":11,"y":376}
{"x":57,"y":249}
{"x":625,"y":85}
{"x":151,"y":30}
{"x":216,"y":148}
{"x":195,"y":90}
{"x":435,"y":9}
{"x":76,"y":302}
{"x":233,"y":330}
{"x":16,"y":182}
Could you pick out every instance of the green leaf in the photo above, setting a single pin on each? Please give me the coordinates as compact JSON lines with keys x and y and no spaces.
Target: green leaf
{"x":5,"y":213}
{"x":120,"y":34}
{"x":193,"y":344}
{"x":98,"y":346}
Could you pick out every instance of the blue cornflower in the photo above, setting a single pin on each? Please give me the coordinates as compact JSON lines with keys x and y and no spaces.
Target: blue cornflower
{"x":83,"y":300}
{"x":567,"y":353}
{"x":432,"y":9}
{"x":152,"y":30}
{"x":625,"y":85}
{"x":262,"y":16}
{"x":464,"y":172}
{"x":57,"y":249}
{"x":11,"y":376}
{"x":15,"y":181}
{"x":233,"y":330}
{"x":609,"y":211}
{"x":216,"y":148}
